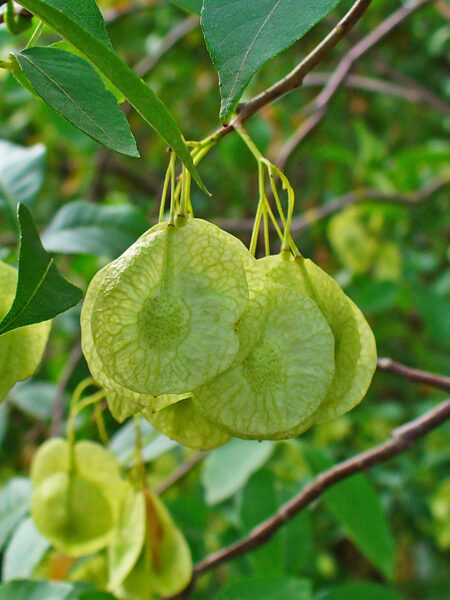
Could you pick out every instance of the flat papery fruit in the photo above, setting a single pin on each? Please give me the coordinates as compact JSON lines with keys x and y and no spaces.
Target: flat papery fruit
{"x":164,"y":318}
{"x":122,"y":403}
{"x":184,"y":423}
{"x":164,"y":565}
{"x":355,"y":349}
{"x":21,"y":349}
{"x":129,"y":537}
{"x":92,"y":462}
{"x":285,"y":376}
{"x":73,"y":513}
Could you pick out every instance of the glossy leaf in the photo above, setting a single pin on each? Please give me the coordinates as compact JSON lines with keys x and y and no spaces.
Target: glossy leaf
{"x":21,"y":175}
{"x":355,"y":503}
{"x":228,"y":468}
{"x":243,"y":35}
{"x":75,"y":22}
{"x":85,"y":228}
{"x":72,"y":87}
{"x":24,"y":552}
{"x":41,"y":291}
{"x":14,"y":505}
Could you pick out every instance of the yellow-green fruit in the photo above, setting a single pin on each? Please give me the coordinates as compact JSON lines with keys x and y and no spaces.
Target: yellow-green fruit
{"x":92,"y":479}
{"x":355,"y":350}
{"x":164,"y":319}
{"x":284,"y":377}
{"x":184,"y":423}
{"x":122,"y":403}
{"x":72,"y":513}
{"x":21,"y":349}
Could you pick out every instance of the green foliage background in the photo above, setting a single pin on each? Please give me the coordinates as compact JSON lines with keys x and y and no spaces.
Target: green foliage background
{"x":367,"y":140}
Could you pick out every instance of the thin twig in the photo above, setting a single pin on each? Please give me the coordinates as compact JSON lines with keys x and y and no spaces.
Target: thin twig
{"x":311,"y":216}
{"x":59,"y":401}
{"x":400,"y":440}
{"x":411,"y":91}
{"x":180,"y":473}
{"x":396,"y":368}
{"x":317,"y":109}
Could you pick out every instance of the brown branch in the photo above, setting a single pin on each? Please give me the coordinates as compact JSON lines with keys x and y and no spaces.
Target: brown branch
{"x":400,"y":440}
{"x":58,"y":404}
{"x":311,"y":216}
{"x":180,"y":473}
{"x":407,"y":90}
{"x":318,"y":108}
{"x":396,"y":368}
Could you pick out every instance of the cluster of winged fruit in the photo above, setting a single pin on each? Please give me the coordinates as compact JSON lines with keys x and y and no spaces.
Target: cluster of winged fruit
{"x":188,"y":329}
{"x":83,"y":505}
{"x":20,"y":349}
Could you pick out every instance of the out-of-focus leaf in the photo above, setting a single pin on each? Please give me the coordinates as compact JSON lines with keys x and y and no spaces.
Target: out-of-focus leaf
{"x":435,"y":312}
{"x":41,"y":291}
{"x":354,"y":502}
{"x":34,"y":398}
{"x":14,"y":504}
{"x":192,"y":6}
{"x":21,"y":174}
{"x":242,"y":35}
{"x":24,"y":552}
{"x":35,"y":590}
{"x":260,"y":501}
{"x":228,"y":468}
{"x":359,"y":591}
{"x":72,"y":87}
{"x":85,"y":228}
{"x":75,"y":21}
{"x":267,"y":588}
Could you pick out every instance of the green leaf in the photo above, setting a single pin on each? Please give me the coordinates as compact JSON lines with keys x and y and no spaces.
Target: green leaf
{"x":359,"y":591}
{"x":265,"y":588}
{"x":259,"y":502}
{"x":355,"y":503}
{"x":24,"y":552}
{"x":70,"y":19}
{"x":242,"y":35}
{"x":192,"y":6}
{"x":228,"y":468}
{"x":41,"y":291}
{"x":85,"y":228}
{"x":72,"y":87}
{"x":21,"y":175}
{"x":34,"y":398}
{"x":14,"y":504}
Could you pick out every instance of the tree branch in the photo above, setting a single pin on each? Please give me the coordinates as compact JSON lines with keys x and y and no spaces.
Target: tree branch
{"x":400,"y":440}
{"x":407,"y":89}
{"x":180,"y":473}
{"x":396,"y":368}
{"x":317,"y":109}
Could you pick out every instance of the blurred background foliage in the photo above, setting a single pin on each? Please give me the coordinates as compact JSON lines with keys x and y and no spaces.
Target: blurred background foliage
{"x":391,"y":258}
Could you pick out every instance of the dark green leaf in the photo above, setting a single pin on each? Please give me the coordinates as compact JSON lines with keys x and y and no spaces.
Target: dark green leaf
{"x":85,"y":228}
{"x":21,"y":175}
{"x":356,"y":505}
{"x":72,"y":87}
{"x":64,"y":17}
{"x":14,"y":504}
{"x":242,"y":35}
{"x":260,"y":501}
{"x":24,"y":552}
{"x":193,"y":6}
{"x":263,"y":588}
{"x":228,"y":468}
{"x":360,"y":591}
{"x":41,"y":291}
